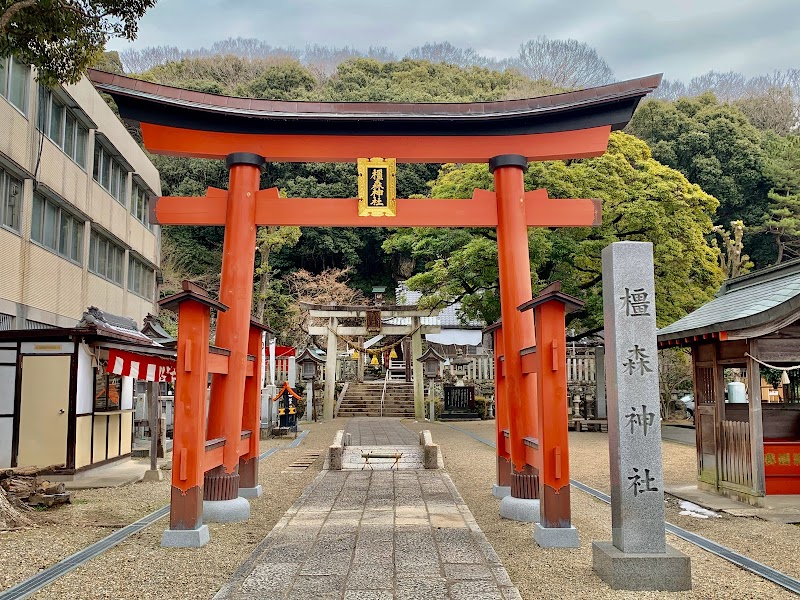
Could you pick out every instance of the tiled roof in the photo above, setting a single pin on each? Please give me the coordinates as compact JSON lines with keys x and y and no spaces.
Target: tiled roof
{"x":747,"y":301}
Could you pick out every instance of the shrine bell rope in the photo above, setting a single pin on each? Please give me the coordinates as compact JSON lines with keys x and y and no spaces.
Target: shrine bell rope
{"x":372,"y":351}
{"x":761,"y":362}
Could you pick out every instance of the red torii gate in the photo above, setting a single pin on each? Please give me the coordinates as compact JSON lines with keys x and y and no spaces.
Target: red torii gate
{"x":506,"y":134}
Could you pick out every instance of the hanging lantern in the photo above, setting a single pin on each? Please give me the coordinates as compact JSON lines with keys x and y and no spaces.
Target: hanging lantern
{"x":392,"y":354}
{"x":374,"y":361}
{"x":356,"y":355}
{"x":785,"y":378}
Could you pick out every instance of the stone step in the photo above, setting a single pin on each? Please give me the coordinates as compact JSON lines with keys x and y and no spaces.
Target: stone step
{"x":407,"y":415}
{"x":377,"y":397}
{"x":378,"y":405}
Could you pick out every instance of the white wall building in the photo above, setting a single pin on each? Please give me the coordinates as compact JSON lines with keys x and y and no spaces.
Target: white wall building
{"x":74,"y":188}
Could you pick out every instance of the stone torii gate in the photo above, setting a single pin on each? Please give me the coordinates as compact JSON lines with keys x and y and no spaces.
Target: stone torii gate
{"x":506,"y":134}
{"x":330,"y":330}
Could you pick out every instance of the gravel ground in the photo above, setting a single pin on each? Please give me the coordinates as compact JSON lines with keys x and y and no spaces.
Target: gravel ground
{"x":139,"y":568}
{"x":140,"y":558}
{"x":551,"y":573}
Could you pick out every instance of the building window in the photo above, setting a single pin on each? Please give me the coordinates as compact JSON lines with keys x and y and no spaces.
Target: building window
{"x":59,"y":124}
{"x":10,"y":200}
{"x":57,"y":229}
{"x":106,"y":258}
{"x":107,"y":389}
{"x":14,"y":78}
{"x":140,"y":278}
{"x":109,"y":173}
{"x":140,"y":205}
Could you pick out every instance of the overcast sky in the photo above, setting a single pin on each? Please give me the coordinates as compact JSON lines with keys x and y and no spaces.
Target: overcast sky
{"x":681,"y":38}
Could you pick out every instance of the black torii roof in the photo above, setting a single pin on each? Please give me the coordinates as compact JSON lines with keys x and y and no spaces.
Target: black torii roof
{"x":158,"y":104}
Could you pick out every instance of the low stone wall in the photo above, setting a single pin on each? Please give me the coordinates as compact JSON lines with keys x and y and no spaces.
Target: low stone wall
{"x":340,"y":441}
{"x":431,"y":450}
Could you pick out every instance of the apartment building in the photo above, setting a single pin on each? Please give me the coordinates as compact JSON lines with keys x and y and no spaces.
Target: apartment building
{"x":74,"y":189}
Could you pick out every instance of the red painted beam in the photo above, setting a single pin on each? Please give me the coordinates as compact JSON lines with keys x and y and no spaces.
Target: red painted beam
{"x":560,"y":145}
{"x":213,"y":458}
{"x":217,"y":363}
{"x":479,"y":211}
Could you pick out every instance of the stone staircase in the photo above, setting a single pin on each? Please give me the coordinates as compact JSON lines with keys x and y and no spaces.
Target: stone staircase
{"x":364,"y":400}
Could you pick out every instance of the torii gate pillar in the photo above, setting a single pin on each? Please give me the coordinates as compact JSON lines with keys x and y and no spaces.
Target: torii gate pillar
{"x":518,"y":332}
{"x":221,"y":486}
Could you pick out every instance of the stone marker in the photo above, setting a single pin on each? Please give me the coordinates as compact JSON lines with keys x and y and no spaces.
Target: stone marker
{"x":638,"y":557}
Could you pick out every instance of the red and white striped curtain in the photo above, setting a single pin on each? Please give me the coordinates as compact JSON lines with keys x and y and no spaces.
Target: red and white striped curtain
{"x":139,"y":366}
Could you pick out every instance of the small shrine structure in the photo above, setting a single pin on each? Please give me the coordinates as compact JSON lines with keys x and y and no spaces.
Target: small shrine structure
{"x":748,"y":444}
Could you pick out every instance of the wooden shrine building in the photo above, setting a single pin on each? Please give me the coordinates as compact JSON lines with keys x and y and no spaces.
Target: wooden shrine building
{"x":748,"y":445}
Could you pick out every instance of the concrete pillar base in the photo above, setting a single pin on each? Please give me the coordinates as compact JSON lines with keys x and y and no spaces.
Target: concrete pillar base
{"x":153,"y":475}
{"x":250,"y":492}
{"x":501,"y":491}
{"x":226,"y":511}
{"x":556,"y":537}
{"x":185,"y":538}
{"x":520,"y":509}
{"x":668,"y":572}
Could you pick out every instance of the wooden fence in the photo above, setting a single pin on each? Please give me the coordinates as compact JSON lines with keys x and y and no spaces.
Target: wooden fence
{"x":481,"y":368}
{"x":734,"y":453}
{"x":581,"y":369}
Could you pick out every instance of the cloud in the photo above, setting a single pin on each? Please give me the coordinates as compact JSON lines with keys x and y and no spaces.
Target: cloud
{"x":635,"y":37}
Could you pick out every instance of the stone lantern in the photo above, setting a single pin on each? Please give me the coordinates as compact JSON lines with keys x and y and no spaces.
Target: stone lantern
{"x":460,"y":365}
{"x":431,"y":362}
{"x":308,"y":363}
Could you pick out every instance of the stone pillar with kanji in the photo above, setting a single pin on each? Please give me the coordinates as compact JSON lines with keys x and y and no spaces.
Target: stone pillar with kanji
{"x":638,"y":557}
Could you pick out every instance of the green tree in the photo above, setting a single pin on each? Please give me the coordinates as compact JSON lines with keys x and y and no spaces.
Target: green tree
{"x":643,"y":200}
{"x":783,"y":219}
{"x":63,"y":37}
{"x":732,"y":259}
{"x":269,"y":240}
{"x":288,"y":80}
{"x":368,"y":80}
{"x":110,"y":62}
{"x":715,"y":146}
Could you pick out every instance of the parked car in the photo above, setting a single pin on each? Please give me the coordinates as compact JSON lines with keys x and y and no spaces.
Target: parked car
{"x":688,"y":405}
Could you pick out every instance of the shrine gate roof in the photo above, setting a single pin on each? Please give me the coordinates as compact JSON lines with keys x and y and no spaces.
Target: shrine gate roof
{"x":189,"y":123}
{"x":165,"y":105}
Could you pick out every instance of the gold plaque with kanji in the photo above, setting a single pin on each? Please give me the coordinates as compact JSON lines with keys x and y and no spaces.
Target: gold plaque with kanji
{"x":377,"y":185}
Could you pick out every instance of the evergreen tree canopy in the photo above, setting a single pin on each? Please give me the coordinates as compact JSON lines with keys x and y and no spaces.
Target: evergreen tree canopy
{"x":643,"y":200}
{"x":63,"y":37}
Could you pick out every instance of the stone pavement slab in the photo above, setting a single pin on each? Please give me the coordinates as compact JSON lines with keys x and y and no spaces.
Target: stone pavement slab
{"x":376,"y":458}
{"x":374,"y":535}
{"x":367,"y":431}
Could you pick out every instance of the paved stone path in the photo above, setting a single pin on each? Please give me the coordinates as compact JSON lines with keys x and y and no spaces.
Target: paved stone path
{"x":370,"y":431}
{"x":364,"y":535}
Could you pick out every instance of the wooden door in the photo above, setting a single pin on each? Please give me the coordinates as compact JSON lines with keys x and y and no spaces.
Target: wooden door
{"x":706,"y":425}
{"x":44,"y":411}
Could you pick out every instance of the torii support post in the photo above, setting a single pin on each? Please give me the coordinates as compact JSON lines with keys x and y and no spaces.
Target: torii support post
{"x":502,"y":488}
{"x":236,"y":290}
{"x":554,"y":530}
{"x":416,"y":368}
{"x":251,"y":415}
{"x":515,"y":289}
{"x":329,"y":399}
{"x":186,"y":528}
